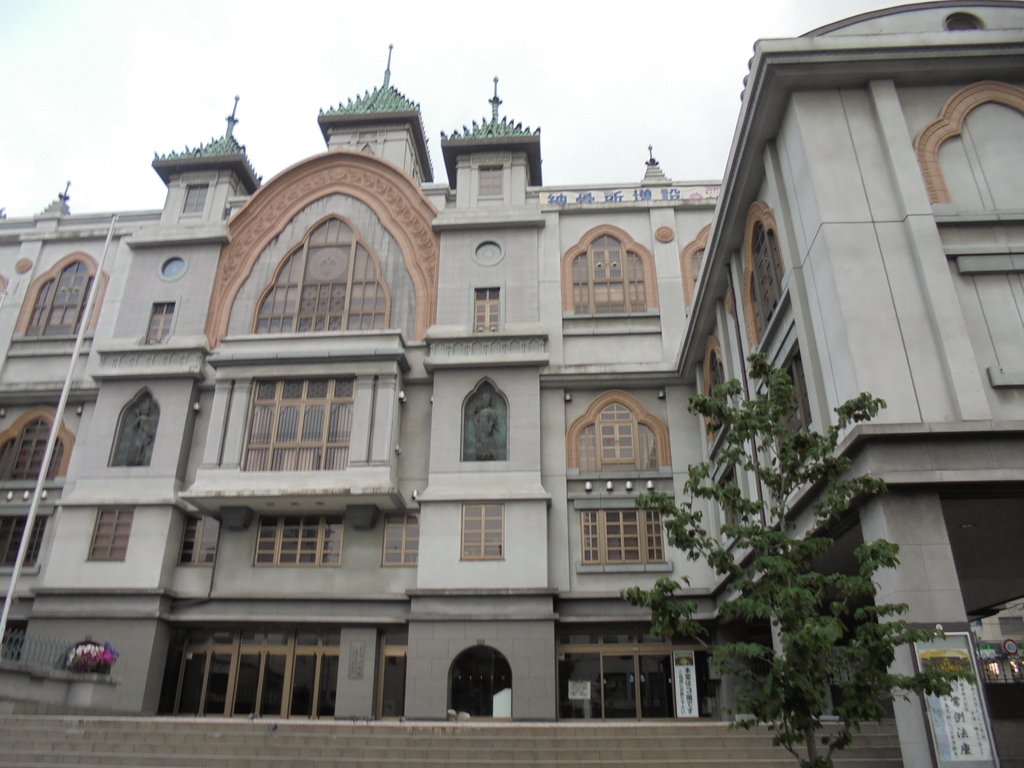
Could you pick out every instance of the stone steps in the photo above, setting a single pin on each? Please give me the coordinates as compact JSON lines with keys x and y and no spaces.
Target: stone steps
{"x":33,"y":740}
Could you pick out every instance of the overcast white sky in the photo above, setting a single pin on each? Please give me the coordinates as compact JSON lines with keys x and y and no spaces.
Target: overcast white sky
{"x":92,"y":89}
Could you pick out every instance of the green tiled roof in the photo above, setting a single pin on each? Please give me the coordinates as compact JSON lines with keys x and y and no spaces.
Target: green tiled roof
{"x":382,"y":99}
{"x":225,"y":145}
{"x":491,"y":129}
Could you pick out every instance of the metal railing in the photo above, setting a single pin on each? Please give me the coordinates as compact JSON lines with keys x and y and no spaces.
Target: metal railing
{"x":19,"y":647}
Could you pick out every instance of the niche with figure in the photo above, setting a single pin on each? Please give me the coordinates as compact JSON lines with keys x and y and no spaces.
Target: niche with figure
{"x":485,"y":425}
{"x":136,"y":432}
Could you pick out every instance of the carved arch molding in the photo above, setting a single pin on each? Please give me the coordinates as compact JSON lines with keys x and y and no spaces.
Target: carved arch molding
{"x":950,"y":123}
{"x":393,"y":196}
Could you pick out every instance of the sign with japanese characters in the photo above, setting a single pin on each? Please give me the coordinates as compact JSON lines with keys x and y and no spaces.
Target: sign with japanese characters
{"x":685,"y":676}
{"x":958,"y":721}
{"x":579,"y":690}
{"x":625,"y":195}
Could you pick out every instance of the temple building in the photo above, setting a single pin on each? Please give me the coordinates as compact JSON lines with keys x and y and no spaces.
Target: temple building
{"x":348,"y":442}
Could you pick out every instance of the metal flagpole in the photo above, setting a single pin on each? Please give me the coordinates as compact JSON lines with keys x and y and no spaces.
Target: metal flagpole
{"x":58,"y":417}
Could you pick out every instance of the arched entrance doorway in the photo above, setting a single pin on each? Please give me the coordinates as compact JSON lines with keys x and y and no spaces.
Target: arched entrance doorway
{"x":480,"y":683}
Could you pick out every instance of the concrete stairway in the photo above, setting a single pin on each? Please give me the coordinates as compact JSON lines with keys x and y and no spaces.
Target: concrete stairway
{"x":49,"y":741}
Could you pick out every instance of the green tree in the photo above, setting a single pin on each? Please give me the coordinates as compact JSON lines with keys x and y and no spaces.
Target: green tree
{"x":832,"y":631}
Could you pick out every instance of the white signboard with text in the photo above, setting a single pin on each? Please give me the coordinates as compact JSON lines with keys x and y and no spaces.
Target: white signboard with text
{"x":685,"y":678}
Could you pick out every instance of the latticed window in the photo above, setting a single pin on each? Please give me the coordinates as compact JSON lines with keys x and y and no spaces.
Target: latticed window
{"x":612,"y":536}
{"x":483,"y":531}
{"x":608,"y":279}
{"x":110,"y":536}
{"x":21,"y":457}
{"x":310,"y":540}
{"x":617,"y":442}
{"x":491,"y":181}
{"x":331,"y":282}
{"x":486,"y":310}
{"x":160,"y":323}
{"x":401,"y":540}
{"x":59,"y":303}
{"x":11,"y":531}
{"x":767,"y":275}
{"x":199,"y":541}
{"x":195,"y":199}
{"x":300,"y":425}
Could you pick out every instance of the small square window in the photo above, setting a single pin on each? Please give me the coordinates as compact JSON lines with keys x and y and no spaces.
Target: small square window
{"x":110,"y":537}
{"x":491,"y":178}
{"x":195,"y":199}
{"x":160,"y":323}
{"x":483,"y":531}
{"x":11,"y":531}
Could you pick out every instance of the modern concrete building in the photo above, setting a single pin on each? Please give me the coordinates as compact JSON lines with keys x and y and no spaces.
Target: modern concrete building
{"x":351,"y":443}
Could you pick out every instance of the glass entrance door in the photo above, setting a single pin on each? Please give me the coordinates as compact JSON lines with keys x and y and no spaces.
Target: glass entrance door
{"x":391,"y":698}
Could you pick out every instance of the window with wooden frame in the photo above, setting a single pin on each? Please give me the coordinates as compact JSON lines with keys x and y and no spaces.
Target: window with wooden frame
{"x":110,"y":536}
{"x":483,"y":531}
{"x":617,"y":442}
{"x":195,"y":199}
{"x":199,"y":540}
{"x":621,"y":536}
{"x":491,"y":181}
{"x":300,"y":425}
{"x":486,"y":310}
{"x":608,"y":279}
{"x":303,"y":541}
{"x":767,"y":274}
{"x":800,"y":418}
{"x":160,"y":322}
{"x":330,"y":282}
{"x":21,"y":457}
{"x":60,"y":302}
{"x":401,"y":540}
{"x":11,"y":531}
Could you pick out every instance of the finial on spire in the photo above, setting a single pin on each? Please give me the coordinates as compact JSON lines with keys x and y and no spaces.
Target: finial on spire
{"x":232,"y":120}
{"x":650,"y":151}
{"x":64,"y":196}
{"x":387,"y":71}
{"x":495,"y":101}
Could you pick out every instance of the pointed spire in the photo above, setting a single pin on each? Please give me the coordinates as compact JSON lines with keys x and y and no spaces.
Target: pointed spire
{"x":653,"y":174}
{"x":64,"y":197}
{"x":650,"y":151}
{"x":232,"y":121}
{"x":495,"y":101}
{"x":387,"y":71}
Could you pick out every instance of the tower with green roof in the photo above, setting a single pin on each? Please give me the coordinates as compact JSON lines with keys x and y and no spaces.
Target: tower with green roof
{"x":382,"y":122}
{"x":201,"y":180}
{"x":493,"y":162}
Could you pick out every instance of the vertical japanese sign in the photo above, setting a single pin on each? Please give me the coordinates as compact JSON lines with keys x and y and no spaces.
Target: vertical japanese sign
{"x":958,"y":721}
{"x":685,"y":672}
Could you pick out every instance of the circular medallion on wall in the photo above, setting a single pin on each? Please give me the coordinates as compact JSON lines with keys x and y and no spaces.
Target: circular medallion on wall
{"x":23,"y":266}
{"x":664,"y":234}
{"x":488,"y":253}
{"x":173,"y":268}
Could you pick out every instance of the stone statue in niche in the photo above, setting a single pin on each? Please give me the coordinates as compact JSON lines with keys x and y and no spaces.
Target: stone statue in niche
{"x":485,"y":425}
{"x":134,"y":446}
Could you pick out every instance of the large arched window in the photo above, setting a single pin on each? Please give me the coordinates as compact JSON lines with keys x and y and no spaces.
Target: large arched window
{"x":136,"y":433}
{"x":607,"y":273}
{"x":616,"y":434}
{"x":60,"y":301}
{"x":330,"y":282}
{"x":22,"y":447}
{"x":762,"y":271}
{"x":690,"y":259}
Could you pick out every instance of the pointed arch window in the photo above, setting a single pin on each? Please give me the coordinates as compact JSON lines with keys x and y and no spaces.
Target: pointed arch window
{"x":762,"y":271}
{"x":21,"y":456}
{"x":617,"y":434}
{"x":136,"y":433}
{"x":60,"y":301}
{"x":330,"y":282}
{"x":608,"y":279}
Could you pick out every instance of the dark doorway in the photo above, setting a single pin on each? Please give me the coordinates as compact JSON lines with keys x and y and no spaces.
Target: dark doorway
{"x":481,"y":683}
